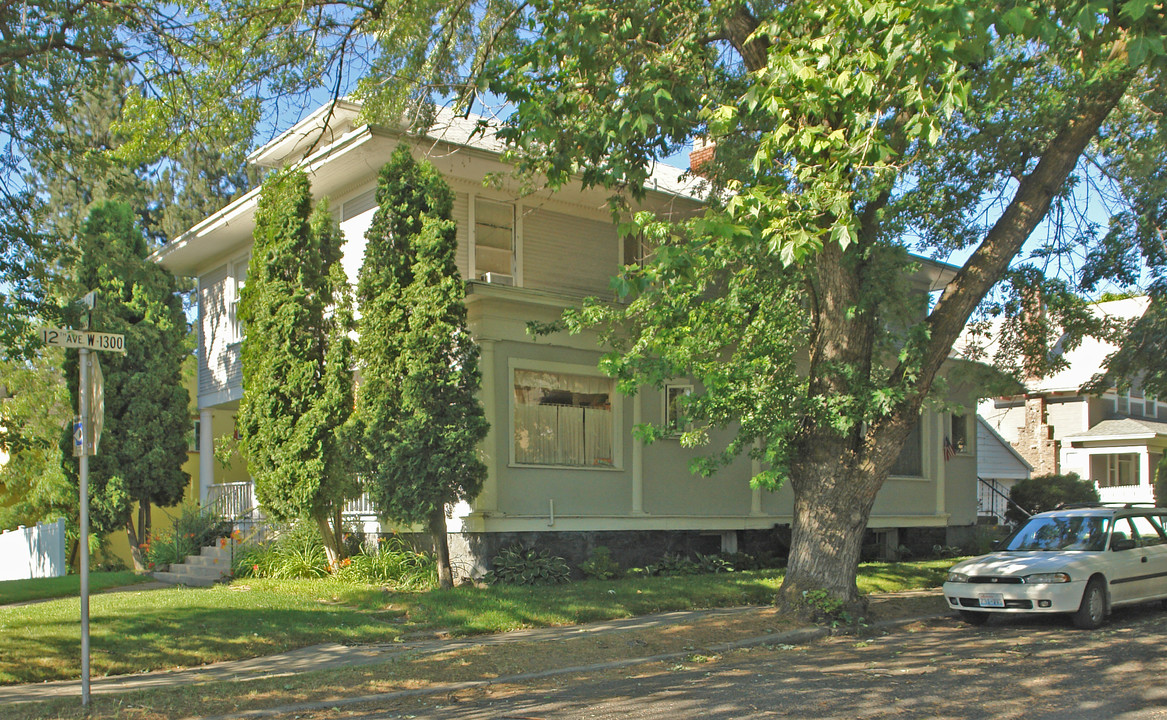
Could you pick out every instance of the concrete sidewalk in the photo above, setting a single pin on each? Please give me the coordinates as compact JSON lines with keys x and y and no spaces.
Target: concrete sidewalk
{"x":323,"y":657}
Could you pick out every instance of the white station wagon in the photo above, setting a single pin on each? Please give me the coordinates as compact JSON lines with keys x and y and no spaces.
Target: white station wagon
{"x":1081,"y":560}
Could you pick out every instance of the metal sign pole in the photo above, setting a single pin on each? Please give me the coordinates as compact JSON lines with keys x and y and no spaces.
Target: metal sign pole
{"x":85,"y":429}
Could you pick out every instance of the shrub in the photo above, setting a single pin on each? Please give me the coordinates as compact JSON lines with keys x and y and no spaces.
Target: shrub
{"x":600,"y":566}
{"x":1046,"y":492}
{"x":296,"y":552}
{"x":673,"y":564}
{"x":518,"y":565}
{"x":390,"y":562}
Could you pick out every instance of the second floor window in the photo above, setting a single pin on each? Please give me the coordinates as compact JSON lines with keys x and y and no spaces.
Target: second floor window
{"x":236,"y":281}
{"x":494,"y":240}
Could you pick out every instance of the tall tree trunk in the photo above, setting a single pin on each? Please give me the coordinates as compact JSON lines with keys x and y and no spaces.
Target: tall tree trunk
{"x":836,"y":477}
{"x":329,"y":536}
{"x":136,"y":555}
{"x":441,"y":547}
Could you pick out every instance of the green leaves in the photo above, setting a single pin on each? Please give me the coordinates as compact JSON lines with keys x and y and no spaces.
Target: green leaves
{"x":420,"y":419}
{"x":297,"y":391}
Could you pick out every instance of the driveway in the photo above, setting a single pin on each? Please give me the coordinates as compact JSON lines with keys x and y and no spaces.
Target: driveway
{"x":939,"y":668}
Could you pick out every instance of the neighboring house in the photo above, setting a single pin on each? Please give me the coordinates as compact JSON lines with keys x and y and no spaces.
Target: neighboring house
{"x":1114,"y":439}
{"x":999,"y":467}
{"x":563,"y":465}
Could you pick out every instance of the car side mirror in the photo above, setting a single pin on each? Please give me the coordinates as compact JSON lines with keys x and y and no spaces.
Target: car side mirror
{"x":1122,"y":544}
{"x":995,"y":545}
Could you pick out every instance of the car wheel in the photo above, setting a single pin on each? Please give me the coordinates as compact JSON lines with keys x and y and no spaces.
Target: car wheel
{"x":1092,"y":612}
{"x":974,"y":618}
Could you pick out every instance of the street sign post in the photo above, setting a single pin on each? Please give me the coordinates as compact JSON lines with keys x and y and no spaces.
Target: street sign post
{"x":91,"y":413}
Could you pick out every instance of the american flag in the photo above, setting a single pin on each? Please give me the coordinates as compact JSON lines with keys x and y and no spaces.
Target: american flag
{"x":949,"y":451}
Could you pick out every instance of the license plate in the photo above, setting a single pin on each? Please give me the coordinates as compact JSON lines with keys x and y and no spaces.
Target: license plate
{"x":992,"y":600}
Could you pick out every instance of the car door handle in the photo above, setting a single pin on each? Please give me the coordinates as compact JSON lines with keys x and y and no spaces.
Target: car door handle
{"x":1144,"y":559}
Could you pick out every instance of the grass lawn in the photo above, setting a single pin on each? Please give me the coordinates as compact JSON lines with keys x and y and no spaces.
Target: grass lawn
{"x":180,"y":627}
{"x":12,"y":591}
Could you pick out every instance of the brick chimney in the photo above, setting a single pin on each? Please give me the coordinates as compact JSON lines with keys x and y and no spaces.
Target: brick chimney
{"x":1035,"y":440}
{"x":703,"y":152}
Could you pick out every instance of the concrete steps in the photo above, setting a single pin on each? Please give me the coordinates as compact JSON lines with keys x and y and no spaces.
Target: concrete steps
{"x":211,"y":565}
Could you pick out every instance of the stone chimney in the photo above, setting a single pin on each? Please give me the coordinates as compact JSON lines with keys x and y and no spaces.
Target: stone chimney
{"x":1035,"y":440}
{"x":703,"y":152}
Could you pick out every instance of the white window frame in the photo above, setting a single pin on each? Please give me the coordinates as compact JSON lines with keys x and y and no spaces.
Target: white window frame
{"x":671,"y":427}
{"x":237,"y":278}
{"x":516,"y":237}
{"x":970,"y":434}
{"x":617,"y":402}
{"x":1114,"y":466}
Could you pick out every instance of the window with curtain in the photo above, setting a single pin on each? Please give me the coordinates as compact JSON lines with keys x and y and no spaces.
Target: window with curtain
{"x":563,"y":419}
{"x":910,"y":463}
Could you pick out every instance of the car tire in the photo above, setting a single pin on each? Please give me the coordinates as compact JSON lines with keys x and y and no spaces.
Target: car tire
{"x":1092,"y":612}
{"x":974,"y":618}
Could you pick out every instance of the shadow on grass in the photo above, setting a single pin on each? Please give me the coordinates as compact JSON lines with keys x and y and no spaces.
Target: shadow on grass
{"x":136,"y":632}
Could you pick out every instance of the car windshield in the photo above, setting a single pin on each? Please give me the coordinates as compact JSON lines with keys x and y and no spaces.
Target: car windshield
{"x":1061,"y":533}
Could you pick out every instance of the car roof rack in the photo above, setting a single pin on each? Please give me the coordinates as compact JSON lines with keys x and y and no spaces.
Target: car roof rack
{"x":1118,"y":505}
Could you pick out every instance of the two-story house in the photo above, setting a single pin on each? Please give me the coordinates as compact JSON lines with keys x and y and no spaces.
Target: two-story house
{"x":527,"y":257}
{"x":1115,"y":439}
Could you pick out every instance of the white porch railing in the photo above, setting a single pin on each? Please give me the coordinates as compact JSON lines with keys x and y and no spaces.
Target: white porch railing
{"x":237,"y":499}
{"x":232,"y":500}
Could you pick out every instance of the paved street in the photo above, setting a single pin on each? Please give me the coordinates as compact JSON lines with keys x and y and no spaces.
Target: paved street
{"x":1019,"y":668}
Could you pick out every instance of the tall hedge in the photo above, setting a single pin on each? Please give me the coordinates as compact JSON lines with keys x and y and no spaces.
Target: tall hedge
{"x":417,"y":403}
{"x":297,"y":383}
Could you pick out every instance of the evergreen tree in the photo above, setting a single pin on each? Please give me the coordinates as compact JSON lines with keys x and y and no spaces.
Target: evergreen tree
{"x":421,"y":420}
{"x":144,"y":442}
{"x":297,"y":385}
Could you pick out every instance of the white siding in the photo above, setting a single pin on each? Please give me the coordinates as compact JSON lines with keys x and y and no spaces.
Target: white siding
{"x":219,"y":367}
{"x":567,"y":254}
{"x":355,"y":225}
{"x":994,"y":460}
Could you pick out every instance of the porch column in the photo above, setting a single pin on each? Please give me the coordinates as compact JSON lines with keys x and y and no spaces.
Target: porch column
{"x":1146,"y":472}
{"x":206,"y":455}
{"x":637,"y":459}
{"x":756,"y":493}
{"x":487,"y":500}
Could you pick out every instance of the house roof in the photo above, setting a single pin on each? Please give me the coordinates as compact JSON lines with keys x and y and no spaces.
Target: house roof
{"x":333,"y":147}
{"x":1082,"y":363}
{"x":1122,"y":429}
{"x":331,"y":121}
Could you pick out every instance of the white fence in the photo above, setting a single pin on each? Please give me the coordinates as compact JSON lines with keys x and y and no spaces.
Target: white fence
{"x":37,"y":552}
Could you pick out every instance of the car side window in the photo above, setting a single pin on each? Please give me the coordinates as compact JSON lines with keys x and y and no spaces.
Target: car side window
{"x":1122,"y":530}
{"x":1149,"y":533}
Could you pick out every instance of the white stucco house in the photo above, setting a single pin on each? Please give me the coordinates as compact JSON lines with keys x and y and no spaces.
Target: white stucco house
{"x":1114,"y":439}
{"x":527,"y":257}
